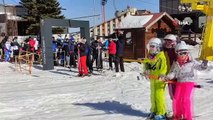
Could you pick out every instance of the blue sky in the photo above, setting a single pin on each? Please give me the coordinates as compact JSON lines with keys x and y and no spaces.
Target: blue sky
{"x":78,"y":8}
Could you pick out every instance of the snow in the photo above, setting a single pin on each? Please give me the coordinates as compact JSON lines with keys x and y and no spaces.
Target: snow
{"x":134,"y":21}
{"x":60,"y":95}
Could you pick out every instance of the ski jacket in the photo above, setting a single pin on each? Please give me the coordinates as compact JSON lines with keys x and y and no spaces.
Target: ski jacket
{"x":112,"y":48}
{"x":32,"y":44}
{"x":170,"y":56}
{"x":54,"y":46}
{"x":7,"y":46}
{"x":88,"y":49}
{"x":95,"y":49}
{"x":65,"y":48}
{"x":120,"y":47}
{"x":156,"y":66}
{"x":186,"y":72}
{"x":71,"y":46}
{"x":82,"y":49}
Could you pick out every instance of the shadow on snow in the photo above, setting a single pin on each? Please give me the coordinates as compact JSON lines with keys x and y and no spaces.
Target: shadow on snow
{"x":114,"y":107}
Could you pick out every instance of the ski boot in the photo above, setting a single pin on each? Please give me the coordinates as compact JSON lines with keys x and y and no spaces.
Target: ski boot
{"x":160,"y":117}
{"x":151,"y":116}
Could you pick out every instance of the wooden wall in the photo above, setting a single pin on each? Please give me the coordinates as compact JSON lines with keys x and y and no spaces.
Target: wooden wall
{"x":140,"y":38}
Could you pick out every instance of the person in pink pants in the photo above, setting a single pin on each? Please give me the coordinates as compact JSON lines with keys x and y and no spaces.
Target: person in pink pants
{"x":184,"y":70}
{"x":182,"y":100}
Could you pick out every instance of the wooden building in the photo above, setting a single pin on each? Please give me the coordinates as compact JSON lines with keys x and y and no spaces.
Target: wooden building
{"x":139,"y":29}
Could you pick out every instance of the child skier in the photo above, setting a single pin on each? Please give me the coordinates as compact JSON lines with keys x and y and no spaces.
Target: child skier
{"x":155,"y":65}
{"x":184,"y":71}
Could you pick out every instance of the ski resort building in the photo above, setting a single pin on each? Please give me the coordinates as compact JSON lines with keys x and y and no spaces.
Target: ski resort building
{"x":139,"y":29}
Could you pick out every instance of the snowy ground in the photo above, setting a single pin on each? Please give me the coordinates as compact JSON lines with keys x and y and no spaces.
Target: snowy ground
{"x":60,"y":95}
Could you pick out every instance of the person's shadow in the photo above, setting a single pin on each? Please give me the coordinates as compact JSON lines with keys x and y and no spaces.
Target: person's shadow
{"x":114,"y":107}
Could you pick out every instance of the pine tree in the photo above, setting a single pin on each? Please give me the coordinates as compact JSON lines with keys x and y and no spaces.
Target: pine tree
{"x":40,"y":9}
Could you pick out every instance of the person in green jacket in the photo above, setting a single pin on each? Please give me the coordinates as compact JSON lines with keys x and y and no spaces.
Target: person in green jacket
{"x":155,"y":68}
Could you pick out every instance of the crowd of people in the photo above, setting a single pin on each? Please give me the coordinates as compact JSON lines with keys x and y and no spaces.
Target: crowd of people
{"x":85,"y":54}
{"x":10,"y":47}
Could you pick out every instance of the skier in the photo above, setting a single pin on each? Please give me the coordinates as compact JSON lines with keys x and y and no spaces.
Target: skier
{"x":71,"y":46}
{"x":112,"y":52}
{"x":170,"y":41}
{"x":119,"y":51}
{"x":88,"y":54}
{"x":155,"y":65}
{"x":97,"y":47}
{"x":7,"y":50}
{"x":185,"y":72}
{"x":169,"y":50}
{"x":82,"y":67}
{"x":65,"y":55}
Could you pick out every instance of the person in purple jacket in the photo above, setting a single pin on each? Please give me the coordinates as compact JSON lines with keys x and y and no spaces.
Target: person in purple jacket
{"x":169,"y":50}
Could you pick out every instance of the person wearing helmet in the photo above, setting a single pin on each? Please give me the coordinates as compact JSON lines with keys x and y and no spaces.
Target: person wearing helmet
{"x":184,"y":70}
{"x":155,"y":67}
{"x":170,"y":42}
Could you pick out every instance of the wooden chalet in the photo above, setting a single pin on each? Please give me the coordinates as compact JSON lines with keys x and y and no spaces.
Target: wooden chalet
{"x":139,"y":29}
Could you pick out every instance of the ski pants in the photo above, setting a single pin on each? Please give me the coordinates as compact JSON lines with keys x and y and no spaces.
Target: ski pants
{"x":119,"y":61}
{"x":72,"y":60}
{"x":111,"y":59}
{"x":7,"y":55}
{"x":171,"y":88}
{"x":82,"y":67}
{"x":89,"y":63}
{"x":157,"y":97}
{"x":182,"y":100}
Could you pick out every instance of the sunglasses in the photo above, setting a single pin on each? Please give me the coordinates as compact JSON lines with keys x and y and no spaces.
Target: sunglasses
{"x":182,"y":53}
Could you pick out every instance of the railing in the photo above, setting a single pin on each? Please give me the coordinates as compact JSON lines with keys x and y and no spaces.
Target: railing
{"x":190,"y":36}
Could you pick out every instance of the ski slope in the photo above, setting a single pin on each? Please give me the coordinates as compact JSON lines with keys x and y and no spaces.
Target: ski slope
{"x":60,"y":95}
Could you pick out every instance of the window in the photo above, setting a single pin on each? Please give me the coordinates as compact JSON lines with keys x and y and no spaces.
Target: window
{"x":128,"y":38}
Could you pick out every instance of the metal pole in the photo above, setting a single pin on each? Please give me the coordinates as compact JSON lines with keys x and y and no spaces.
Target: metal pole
{"x":5,"y":16}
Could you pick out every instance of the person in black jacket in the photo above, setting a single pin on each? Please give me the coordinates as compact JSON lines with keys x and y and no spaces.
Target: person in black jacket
{"x":97,"y":47}
{"x":65,"y":53}
{"x":71,"y":46}
{"x":120,"y":43}
{"x":82,"y":67}
{"x":89,"y":57}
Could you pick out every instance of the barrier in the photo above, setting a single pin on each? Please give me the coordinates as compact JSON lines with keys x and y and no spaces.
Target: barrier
{"x":24,"y":61}
{"x":133,"y":60}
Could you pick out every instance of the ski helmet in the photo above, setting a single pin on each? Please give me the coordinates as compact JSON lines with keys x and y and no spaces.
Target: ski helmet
{"x":181,"y":47}
{"x":170,"y":37}
{"x":154,"y":42}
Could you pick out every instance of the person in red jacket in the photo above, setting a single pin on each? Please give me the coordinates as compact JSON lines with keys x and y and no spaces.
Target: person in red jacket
{"x":112,"y":52}
{"x":32,"y":44}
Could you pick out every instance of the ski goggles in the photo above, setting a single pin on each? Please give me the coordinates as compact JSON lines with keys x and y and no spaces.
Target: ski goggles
{"x":152,"y":46}
{"x":181,"y":53}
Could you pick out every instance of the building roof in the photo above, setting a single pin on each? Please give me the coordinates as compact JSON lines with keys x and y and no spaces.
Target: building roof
{"x":143,"y":21}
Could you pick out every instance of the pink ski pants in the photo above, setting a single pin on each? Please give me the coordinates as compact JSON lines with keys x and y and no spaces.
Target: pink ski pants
{"x":182,"y":105}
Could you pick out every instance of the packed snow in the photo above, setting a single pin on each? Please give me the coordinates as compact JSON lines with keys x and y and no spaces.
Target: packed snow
{"x":59,"y":95}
